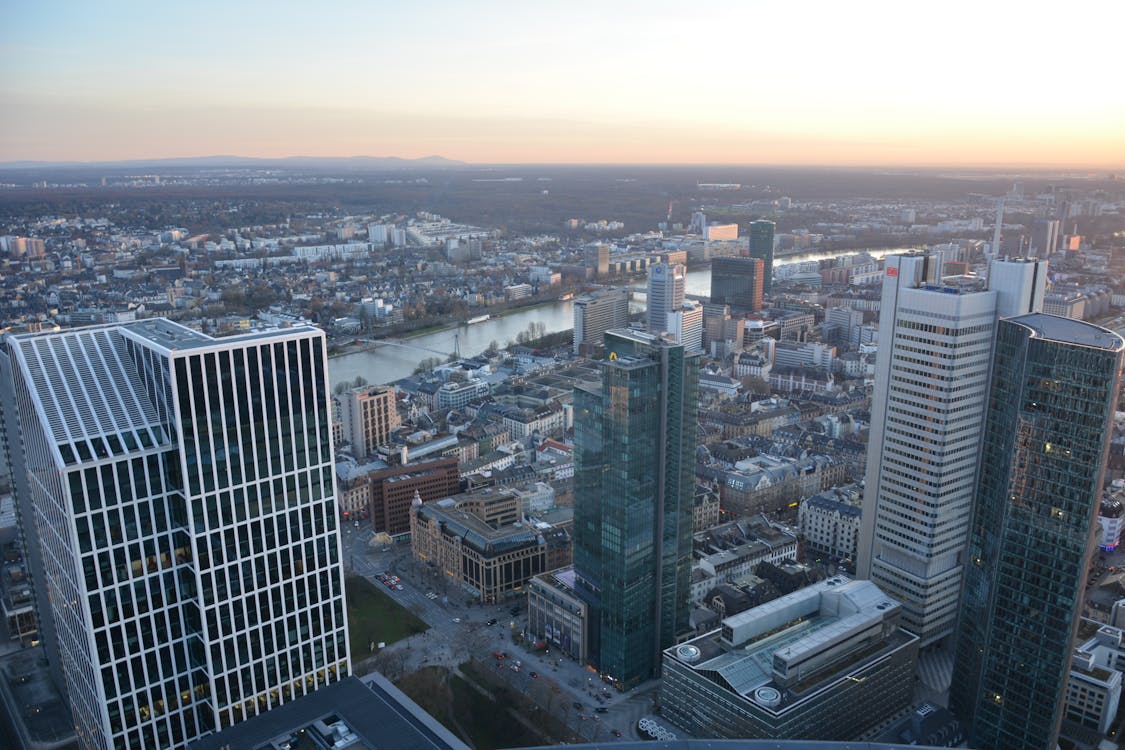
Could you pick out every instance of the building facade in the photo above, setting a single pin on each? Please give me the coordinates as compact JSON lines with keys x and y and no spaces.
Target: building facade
{"x":181,"y":490}
{"x":738,"y":282}
{"x":634,"y":446}
{"x":557,"y":615}
{"x":931,"y":389}
{"x":370,"y":415}
{"x":826,"y":662}
{"x":761,"y":247}
{"x":393,"y":489}
{"x":1046,"y":439}
{"x":596,"y":314}
{"x":478,"y":542}
{"x":666,"y":288}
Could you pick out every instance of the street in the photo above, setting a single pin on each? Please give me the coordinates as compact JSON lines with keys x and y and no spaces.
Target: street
{"x":560,"y":682}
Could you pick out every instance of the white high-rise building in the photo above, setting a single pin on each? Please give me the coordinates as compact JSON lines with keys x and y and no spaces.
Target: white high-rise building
{"x":666,"y":286}
{"x":686,"y":325}
{"x":931,"y":388}
{"x":598,"y":313}
{"x":180,"y":493}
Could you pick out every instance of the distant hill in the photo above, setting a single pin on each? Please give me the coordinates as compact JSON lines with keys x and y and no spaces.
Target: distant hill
{"x":290,"y":162}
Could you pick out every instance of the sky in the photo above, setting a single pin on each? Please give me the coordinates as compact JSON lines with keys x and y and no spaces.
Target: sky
{"x":820,"y":82}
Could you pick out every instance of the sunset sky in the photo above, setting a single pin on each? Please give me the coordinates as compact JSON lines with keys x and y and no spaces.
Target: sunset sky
{"x":746,"y":82}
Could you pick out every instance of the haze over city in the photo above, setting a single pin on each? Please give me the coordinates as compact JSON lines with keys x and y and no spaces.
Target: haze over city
{"x":873,"y":83}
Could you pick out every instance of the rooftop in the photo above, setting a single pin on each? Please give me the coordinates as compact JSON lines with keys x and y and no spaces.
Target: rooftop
{"x":373,"y":709}
{"x":744,"y":656}
{"x":1068,"y":331}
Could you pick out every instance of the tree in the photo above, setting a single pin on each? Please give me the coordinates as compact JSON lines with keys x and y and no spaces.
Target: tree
{"x":427,"y":364}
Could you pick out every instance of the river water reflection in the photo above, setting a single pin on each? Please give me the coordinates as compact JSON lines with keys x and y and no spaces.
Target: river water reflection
{"x":385,"y":364}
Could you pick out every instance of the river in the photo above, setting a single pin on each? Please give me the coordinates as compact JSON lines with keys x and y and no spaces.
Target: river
{"x":387,"y":363}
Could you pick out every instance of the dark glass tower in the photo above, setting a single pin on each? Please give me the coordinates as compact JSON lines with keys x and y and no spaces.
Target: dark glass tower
{"x":634,"y":440}
{"x":1046,"y":438}
{"x":761,"y":246}
{"x":738,"y":282}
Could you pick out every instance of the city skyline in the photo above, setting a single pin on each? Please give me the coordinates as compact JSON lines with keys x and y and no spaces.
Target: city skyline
{"x":505,"y":83}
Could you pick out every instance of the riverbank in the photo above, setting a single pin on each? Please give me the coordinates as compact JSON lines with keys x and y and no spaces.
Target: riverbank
{"x":355,"y":346}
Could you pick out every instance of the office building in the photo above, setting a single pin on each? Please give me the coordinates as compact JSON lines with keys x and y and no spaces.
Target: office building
{"x":597,"y":313}
{"x":180,"y":490}
{"x":826,"y":662}
{"x":634,"y":447}
{"x":665,"y":293}
{"x":722,"y":332}
{"x":931,"y":389}
{"x":392,"y":490}
{"x":483,"y":544}
{"x":556,"y":614}
{"x":761,"y":247}
{"x":1043,"y":453}
{"x":720,"y":232}
{"x":597,"y":258}
{"x":367,"y":713}
{"x":369,"y":414}
{"x":1044,"y":237}
{"x":738,"y":282}
{"x":685,"y":325}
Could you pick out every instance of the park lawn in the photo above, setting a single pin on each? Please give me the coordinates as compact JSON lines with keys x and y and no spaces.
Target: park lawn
{"x":375,"y":616}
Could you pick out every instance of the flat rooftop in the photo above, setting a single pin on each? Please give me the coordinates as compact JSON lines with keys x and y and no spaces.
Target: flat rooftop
{"x":815,"y":619}
{"x":375,"y":711}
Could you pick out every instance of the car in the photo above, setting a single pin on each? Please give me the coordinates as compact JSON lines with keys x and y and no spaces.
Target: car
{"x":534,"y":675}
{"x":499,"y":665}
{"x":615,"y":733}
{"x":380,"y":578}
{"x":357,"y":524}
{"x":399,"y":587}
{"x":491,"y":622}
{"x":498,"y":654}
{"x":601,"y":709}
{"x":519,"y":663}
{"x":516,"y":667}
{"x":457,"y":619}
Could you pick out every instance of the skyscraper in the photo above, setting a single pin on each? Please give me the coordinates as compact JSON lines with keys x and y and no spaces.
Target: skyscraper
{"x":761,"y":246}
{"x":596,"y":314}
{"x":1046,"y":439}
{"x":597,"y":258}
{"x":634,"y":445}
{"x":666,"y":285}
{"x":738,"y":282}
{"x":931,"y":386}
{"x":181,"y":492}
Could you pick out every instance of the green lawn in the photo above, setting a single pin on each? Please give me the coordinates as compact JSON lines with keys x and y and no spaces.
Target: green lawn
{"x":374,"y":616}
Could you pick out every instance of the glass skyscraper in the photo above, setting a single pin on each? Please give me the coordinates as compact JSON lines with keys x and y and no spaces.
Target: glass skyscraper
{"x":1046,"y":438}
{"x":761,"y":246}
{"x":634,"y":440}
{"x":738,"y":282}
{"x":180,"y":492}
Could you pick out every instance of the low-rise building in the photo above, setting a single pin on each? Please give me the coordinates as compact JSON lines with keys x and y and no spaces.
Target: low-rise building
{"x":830,"y":521}
{"x":555,"y":614}
{"x":471,"y":540}
{"x":393,"y":489}
{"x":827,"y":662}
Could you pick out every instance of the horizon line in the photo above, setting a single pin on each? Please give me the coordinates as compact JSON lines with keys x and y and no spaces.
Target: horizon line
{"x":1036,"y":166}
